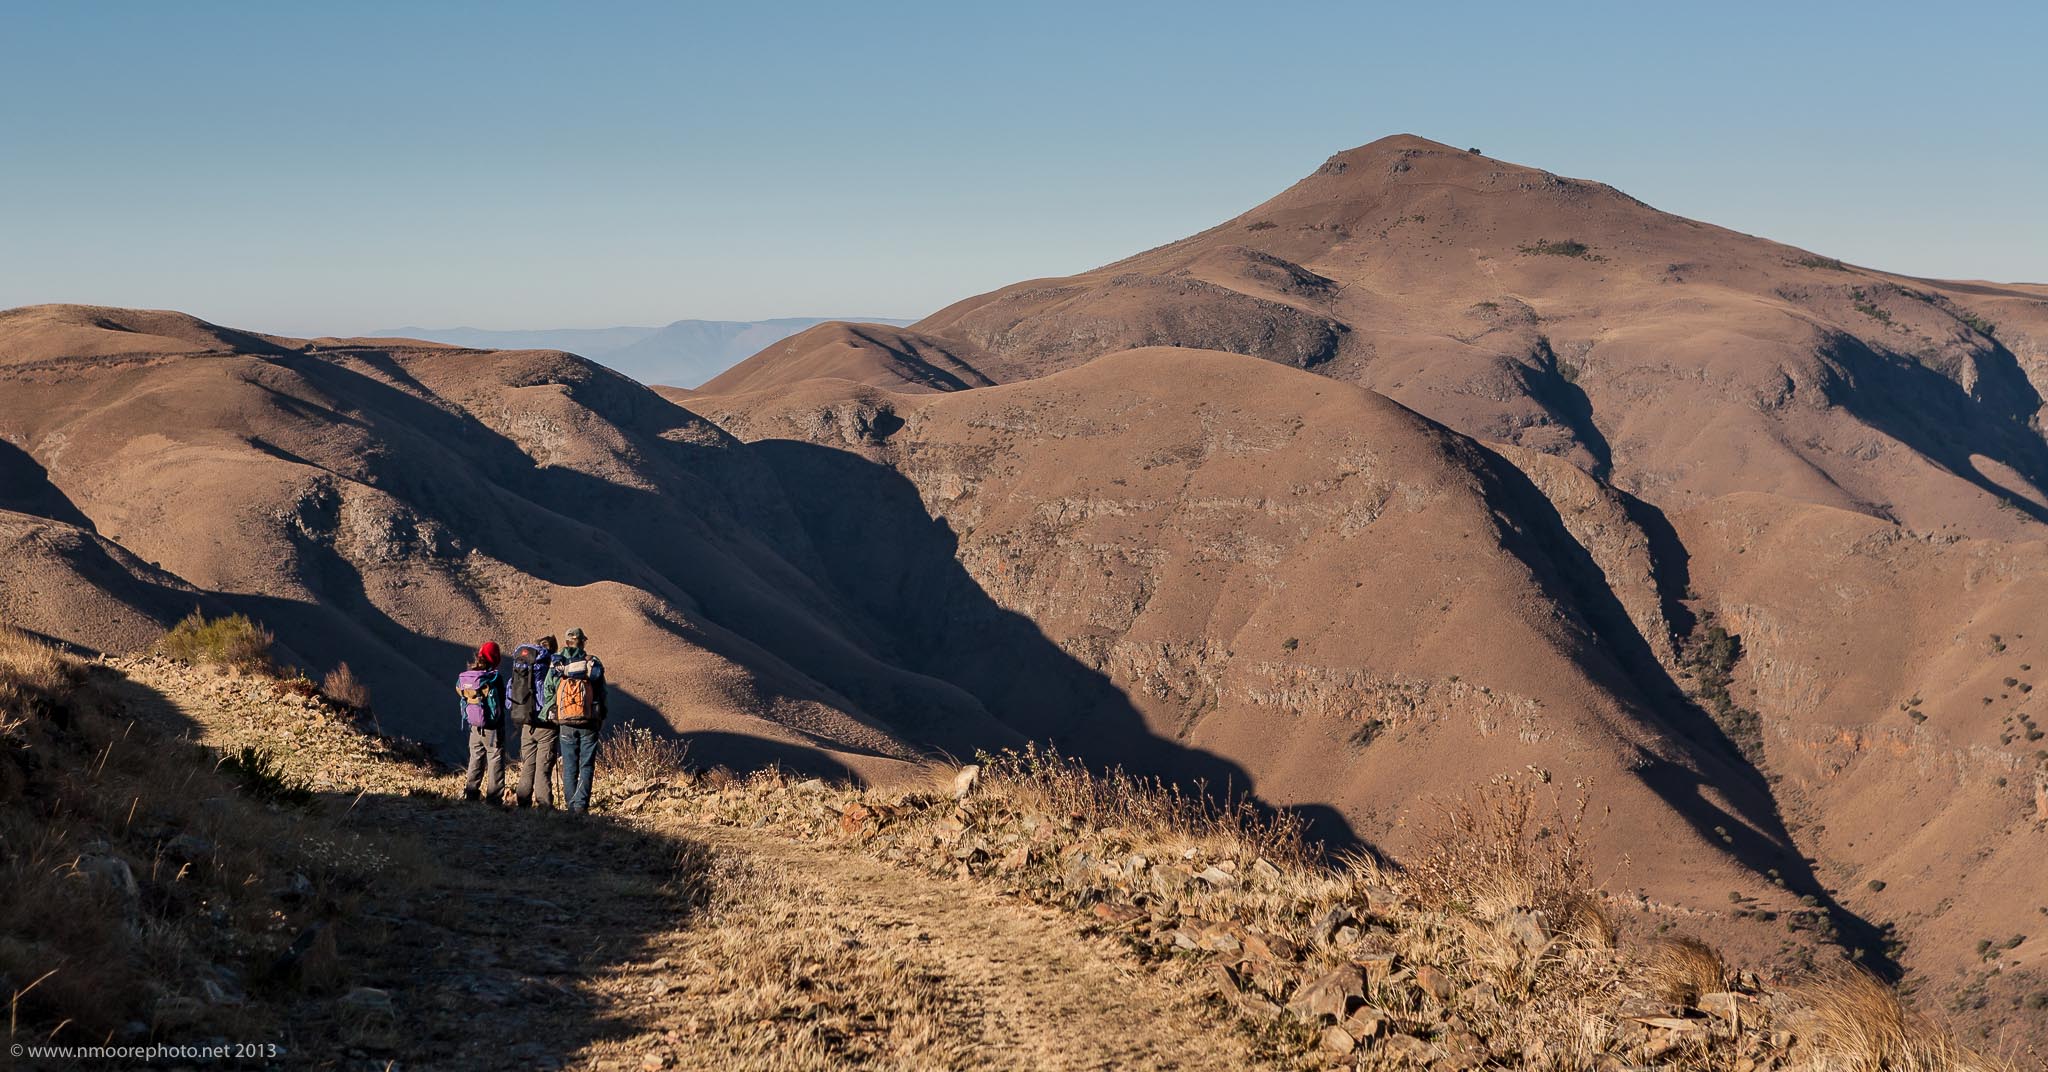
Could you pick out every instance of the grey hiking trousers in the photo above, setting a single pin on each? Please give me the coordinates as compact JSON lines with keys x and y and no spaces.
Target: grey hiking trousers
{"x":486,"y":762}
{"x":537,"y":755}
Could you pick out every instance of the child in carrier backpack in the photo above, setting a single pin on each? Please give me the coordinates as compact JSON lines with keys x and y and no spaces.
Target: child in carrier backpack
{"x":480,"y":695}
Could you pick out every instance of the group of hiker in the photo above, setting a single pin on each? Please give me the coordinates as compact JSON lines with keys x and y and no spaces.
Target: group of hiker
{"x":556,"y":698}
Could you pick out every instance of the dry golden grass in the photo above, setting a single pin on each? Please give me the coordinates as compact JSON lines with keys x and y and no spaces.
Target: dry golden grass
{"x":1681,"y":969}
{"x":234,"y":642}
{"x":638,"y":754}
{"x":768,"y":945}
{"x":1852,"y":1022}
{"x":1521,"y":957}
{"x":343,"y":686}
{"x":1499,"y":851}
{"x":1146,"y":808}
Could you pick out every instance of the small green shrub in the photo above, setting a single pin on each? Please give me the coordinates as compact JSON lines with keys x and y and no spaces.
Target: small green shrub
{"x":233,"y":641}
{"x":1570,"y":247}
{"x":1867,"y":308}
{"x":1978,"y":324}
{"x":1290,"y":643}
{"x":1711,"y":654}
{"x":1876,"y":885}
{"x":1828,"y":263}
{"x":258,"y":774}
{"x":1260,"y":225}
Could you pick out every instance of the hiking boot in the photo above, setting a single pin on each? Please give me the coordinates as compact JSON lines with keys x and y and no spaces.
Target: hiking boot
{"x":471,"y":794}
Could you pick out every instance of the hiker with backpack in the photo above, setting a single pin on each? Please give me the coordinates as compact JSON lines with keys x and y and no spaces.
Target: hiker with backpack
{"x":480,"y":696}
{"x":574,"y":694}
{"x":538,"y":736}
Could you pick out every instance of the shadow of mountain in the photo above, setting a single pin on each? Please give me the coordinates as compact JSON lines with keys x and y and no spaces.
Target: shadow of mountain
{"x":457,"y":913}
{"x":1754,"y":833}
{"x":1554,"y":387}
{"x":25,"y":487}
{"x":895,"y":562}
{"x":1936,"y":417}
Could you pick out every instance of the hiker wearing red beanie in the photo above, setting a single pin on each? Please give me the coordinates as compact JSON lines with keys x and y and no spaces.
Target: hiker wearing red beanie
{"x":482,"y":696}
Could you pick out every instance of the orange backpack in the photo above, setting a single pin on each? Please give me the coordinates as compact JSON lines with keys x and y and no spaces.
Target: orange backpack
{"x":573,"y":700}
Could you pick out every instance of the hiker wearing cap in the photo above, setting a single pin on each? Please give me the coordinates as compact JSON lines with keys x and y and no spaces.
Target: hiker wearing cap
{"x":537,"y":733}
{"x":480,"y":695}
{"x":574,"y":694}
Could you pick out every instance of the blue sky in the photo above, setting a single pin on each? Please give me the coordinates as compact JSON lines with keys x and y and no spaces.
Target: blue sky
{"x":336,"y":168}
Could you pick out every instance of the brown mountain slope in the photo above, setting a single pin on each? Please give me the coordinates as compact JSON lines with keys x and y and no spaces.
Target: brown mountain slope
{"x":1846,"y":467}
{"x":870,"y":353}
{"x":1565,"y":316}
{"x":1357,"y":608}
{"x":388,"y":507}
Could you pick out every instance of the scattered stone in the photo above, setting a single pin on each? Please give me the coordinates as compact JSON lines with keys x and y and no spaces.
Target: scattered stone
{"x":1363,"y":1025}
{"x":1118,"y":914}
{"x":1378,"y":970}
{"x":1338,"y":1041}
{"x":188,"y":848}
{"x":296,"y":887}
{"x":853,"y":822}
{"x":1528,"y":929}
{"x":1265,"y":870}
{"x":111,"y":871}
{"x":1407,"y":1047}
{"x":1226,"y":979}
{"x":1721,"y":1003}
{"x":1328,"y":995}
{"x":1433,"y":982}
{"x":370,"y":1000}
{"x":1216,"y":876}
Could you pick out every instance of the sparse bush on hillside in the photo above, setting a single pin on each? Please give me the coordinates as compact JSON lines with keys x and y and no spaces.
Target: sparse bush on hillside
{"x":1493,"y":853}
{"x":1147,"y":807}
{"x":343,"y":687}
{"x":1710,"y":655}
{"x":234,"y":642}
{"x":258,"y":774}
{"x":1260,"y":225}
{"x":1978,"y":324}
{"x":1829,"y":263}
{"x":1570,"y":247}
{"x":1868,"y":308}
{"x":636,"y":753}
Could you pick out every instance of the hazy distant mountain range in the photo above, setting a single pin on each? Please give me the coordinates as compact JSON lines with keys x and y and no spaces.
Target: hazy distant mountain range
{"x":683,"y":354}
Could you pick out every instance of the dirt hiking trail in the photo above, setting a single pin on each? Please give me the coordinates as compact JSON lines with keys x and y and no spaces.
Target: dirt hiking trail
{"x":512,"y":939}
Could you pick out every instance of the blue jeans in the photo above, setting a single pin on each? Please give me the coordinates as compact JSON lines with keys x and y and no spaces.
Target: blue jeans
{"x":579,"y":765}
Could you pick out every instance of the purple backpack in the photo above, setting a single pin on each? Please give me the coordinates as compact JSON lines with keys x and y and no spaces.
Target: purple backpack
{"x":474,"y":686}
